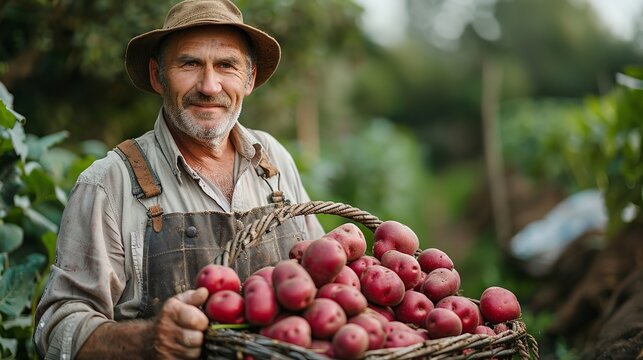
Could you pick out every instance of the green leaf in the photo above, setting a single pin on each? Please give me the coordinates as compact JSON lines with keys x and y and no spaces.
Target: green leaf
{"x":21,"y":322}
{"x":17,"y":134}
{"x":8,"y":347}
{"x":15,"y":289}
{"x":7,"y":119}
{"x":40,"y":184}
{"x":11,"y":236}
{"x":40,"y":146}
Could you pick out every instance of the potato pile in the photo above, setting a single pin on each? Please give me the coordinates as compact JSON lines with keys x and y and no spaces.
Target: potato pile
{"x":333,"y":298}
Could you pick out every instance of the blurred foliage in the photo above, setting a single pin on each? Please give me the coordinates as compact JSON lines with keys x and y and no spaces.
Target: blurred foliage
{"x":63,"y":59}
{"x":595,"y":143}
{"x":34,"y":182}
{"x":74,"y":51}
{"x":380,"y":170}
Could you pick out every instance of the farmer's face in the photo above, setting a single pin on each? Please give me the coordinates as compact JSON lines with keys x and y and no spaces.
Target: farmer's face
{"x":204,"y":76}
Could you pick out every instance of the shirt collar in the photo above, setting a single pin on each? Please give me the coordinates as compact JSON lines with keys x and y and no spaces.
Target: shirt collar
{"x":245,"y":143}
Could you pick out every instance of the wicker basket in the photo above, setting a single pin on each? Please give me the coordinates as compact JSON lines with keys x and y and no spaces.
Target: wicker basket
{"x":225,"y":343}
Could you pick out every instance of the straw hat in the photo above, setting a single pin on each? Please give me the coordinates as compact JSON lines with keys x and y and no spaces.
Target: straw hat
{"x":191,"y":13}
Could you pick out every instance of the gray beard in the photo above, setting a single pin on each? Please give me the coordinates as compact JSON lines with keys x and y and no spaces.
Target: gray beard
{"x":187,"y":124}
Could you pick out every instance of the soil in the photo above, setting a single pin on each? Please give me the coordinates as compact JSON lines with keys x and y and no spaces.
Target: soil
{"x":594,"y":290}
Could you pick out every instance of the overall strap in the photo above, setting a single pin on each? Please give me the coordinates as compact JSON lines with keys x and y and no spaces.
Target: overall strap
{"x":145,"y":183}
{"x":265,"y":170}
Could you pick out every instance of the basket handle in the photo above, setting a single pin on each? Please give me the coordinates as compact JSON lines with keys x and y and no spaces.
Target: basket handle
{"x":253,"y":233}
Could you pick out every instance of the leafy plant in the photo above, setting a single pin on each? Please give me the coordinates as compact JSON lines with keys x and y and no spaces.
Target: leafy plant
{"x":35,"y":178}
{"x":591,"y":144}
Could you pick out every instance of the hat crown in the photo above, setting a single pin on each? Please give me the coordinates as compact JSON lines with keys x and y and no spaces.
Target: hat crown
{"x":195,"y":11}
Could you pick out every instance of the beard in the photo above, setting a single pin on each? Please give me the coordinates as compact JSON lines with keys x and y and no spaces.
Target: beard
{"x":206,"y":128}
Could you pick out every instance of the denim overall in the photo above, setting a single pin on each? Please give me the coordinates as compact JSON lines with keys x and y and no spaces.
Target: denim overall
{"x":178,"y":245}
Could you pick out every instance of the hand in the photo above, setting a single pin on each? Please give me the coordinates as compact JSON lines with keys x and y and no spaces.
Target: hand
{"x":179,"y":326}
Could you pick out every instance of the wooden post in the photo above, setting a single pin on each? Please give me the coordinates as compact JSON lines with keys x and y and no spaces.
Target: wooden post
{"x":492,"y":142}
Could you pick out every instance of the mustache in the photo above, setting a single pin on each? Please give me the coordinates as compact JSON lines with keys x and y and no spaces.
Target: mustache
{"x":220,"y":99}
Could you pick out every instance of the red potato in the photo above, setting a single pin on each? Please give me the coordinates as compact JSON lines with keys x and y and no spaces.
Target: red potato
{"x":287,"y":269}
{"x":350,"y":342}
{"x":323,"y":260}
{"x":432,"y":258}
{"x":325,"y":317}
{"x":499,"y":305}
{"x":297,"y":250}
{"x":260,"y":301}
{"x":439,"y":284}
{"x":296,"y":294}
{"x":327,"y":291}
{"x":250,"y":280}
{"x":393,"y":235}
{"x":359,"y":265}
{"x":351,"y":238}
{"x":216,"y":278}
{"x":292,"y":329}
{"x":500,"y":328}
{"x":351,"y":300}
{"x":466,"y":310}
{"x":423,"y":276}
{"x":225,"y":307}
{"x":424,"y":333}
{"x":485,"y":330}
{"x":373,"y":327}
{"x":382,"y":286}
{"x":323,"y":347}
{"x":266,"y":273}
{"x":347,"y":276}
{"x":400,"y":338}
{"x":396,"y":326}
{"x":404,"y":265}
{"x":414,"y":308}
{"x":442,"y":323}
{"x":384,"y":313}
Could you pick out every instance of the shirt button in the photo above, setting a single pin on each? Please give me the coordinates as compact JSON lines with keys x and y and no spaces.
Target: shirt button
{"x":191,"y":231}
{"x":239,"y":225}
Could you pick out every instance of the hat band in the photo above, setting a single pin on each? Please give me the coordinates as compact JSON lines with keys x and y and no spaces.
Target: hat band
{"x":217,"y":17}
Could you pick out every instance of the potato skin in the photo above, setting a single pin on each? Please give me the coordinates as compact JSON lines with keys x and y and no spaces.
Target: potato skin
{"x":499,"y":305}
{"x":323,"y":260}
{"x":225,"y":307}
{"x":393,"y":235}
{"x":291,"y":329}
{"x":351,"y":238}
{"x":382,"y":286}
{"x":260,"y":301}
{"x":373,"y":327}
{"x":325,"y":317}
{"x":350,"y":342}
{"x":404,"y":265}
{"x":216,"y":278}
{"x":442,"y":323}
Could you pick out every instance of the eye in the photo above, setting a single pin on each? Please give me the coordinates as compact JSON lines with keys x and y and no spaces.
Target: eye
{"x":189,"y":64}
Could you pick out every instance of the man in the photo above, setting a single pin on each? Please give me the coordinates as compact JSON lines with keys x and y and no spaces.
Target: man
{"x":141,"y":222}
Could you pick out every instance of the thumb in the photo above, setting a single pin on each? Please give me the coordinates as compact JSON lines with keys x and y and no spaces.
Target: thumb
{"x":194,"y":297}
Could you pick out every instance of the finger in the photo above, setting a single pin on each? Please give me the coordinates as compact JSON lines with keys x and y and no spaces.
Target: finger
{"x":192,"y":338}
{"x":194,"y":297}
{"x":191,"y":317}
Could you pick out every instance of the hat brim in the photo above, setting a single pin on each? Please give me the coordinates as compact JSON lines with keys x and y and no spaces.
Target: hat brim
{"x":141,"y":48}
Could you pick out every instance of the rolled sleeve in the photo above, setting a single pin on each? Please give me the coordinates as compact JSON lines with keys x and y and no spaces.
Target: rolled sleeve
{"x":87,"y":278}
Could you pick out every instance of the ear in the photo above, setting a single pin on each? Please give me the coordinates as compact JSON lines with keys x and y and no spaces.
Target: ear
{"x":155,"y":80}
{"x":251,"y":82}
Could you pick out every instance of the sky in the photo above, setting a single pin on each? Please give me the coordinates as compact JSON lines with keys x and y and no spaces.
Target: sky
{"x":385,"y":20}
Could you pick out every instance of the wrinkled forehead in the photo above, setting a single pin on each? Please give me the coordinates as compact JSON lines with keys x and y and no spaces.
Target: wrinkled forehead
{"x":229,"y":35}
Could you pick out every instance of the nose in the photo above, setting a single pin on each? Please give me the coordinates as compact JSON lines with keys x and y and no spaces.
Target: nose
{"x":210,"y":83}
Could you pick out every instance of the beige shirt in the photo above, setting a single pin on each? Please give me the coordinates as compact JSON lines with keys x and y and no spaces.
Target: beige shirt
{"x":97,"y":274}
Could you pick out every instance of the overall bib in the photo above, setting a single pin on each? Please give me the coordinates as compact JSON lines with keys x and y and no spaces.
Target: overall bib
{"x":178,"y":245}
